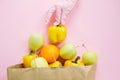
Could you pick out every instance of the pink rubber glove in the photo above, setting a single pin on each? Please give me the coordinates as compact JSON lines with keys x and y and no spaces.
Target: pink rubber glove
{"x":62,"y":9}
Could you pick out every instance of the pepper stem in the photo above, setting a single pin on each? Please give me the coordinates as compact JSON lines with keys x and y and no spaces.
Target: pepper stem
{"x":59,"y":25}
{"x":30,"y":52}
{"x":78,"y":58}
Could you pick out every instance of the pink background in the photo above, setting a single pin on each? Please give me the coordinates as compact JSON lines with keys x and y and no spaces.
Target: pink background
{"x":93,"y":22}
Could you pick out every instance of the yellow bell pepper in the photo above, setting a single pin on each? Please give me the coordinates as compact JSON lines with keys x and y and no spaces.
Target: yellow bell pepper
{"x":70,"y":63}
{"x":56,"y":64}
{"x":27,"y":59}
{"x":77,"y":62}
{"x":80,"y":63}
{"x":57,"y":33}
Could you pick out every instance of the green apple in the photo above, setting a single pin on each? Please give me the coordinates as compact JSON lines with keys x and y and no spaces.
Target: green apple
{"x":39,"y":62}
{"x":68,"y":51}
{"x":89,"y":57}
{"x":36,"y":41}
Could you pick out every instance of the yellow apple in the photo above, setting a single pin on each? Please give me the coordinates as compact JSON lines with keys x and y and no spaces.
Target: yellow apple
{"x":39,"y":62}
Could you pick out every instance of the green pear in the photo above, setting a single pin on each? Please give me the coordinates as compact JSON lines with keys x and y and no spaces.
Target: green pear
{"x":35,"y":41}
{"x":68,"y":51}
{"x":89,"y":57}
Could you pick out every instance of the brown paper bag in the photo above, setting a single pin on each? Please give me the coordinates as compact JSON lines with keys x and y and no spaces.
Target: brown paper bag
{"x":17,"y":72}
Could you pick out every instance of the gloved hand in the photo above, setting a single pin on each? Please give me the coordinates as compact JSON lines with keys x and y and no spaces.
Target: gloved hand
{"x":61,"y":10}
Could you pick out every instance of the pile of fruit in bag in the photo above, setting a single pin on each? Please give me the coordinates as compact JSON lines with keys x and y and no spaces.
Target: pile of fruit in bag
{"x":51,"y":55}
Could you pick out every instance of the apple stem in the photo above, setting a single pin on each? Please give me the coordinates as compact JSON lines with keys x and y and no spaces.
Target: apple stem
{"x":83,"y":45}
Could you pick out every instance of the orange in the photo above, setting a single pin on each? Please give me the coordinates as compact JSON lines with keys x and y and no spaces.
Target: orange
{"x":50,"y":53}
